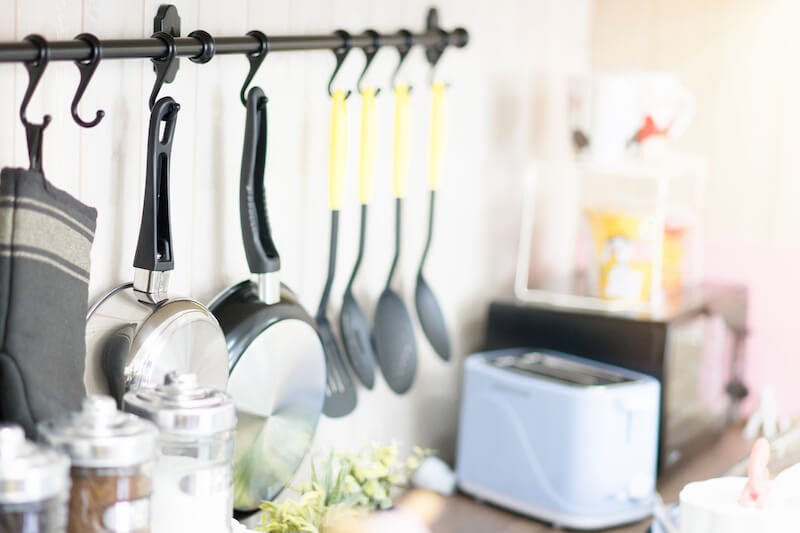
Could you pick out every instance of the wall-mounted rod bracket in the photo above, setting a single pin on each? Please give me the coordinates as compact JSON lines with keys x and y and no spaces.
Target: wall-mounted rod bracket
{"x":168,"y":21}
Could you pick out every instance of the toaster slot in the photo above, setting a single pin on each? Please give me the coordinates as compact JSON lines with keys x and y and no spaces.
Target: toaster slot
{"x":559,"y":370}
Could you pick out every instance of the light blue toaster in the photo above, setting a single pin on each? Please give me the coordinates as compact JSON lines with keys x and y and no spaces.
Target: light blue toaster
{"x":562,"y":439}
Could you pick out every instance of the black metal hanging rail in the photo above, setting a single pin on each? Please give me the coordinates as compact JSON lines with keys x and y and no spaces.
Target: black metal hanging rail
{"x":153,"y":48}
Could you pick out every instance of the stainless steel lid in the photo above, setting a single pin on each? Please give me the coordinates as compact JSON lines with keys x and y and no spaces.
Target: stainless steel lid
{"x":101,"y":436}
{"x":131,"y":343}
{"x":29,"y":472}
{"x":182,"y":407}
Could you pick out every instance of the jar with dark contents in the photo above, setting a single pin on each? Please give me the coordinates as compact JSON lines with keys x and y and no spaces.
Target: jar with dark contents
{"x":112,"y":457}
{"x":34,"y":484}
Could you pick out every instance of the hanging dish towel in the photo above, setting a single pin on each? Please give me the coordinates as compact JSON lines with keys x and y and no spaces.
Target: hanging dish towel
{"x":45,"y":240}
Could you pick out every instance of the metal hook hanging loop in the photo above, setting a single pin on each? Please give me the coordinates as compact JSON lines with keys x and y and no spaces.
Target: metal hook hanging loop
{"x":35,"y":70}
{"x":402,"y":51}
{"x":370,"y":52}
{"x":255,"y":59}
{"x":209,"y":47}
{"x":163,"y":64}
{"x":87,"y":68}
{"x":341,"y":54}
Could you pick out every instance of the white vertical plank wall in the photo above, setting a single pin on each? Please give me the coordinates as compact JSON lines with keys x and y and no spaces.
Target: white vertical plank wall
{"x":489,"y":130}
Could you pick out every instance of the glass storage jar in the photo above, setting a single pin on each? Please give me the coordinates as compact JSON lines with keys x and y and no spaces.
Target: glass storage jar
{"x":193,"y":480}
{"x":112,"y":461}
{"x":34,"y":484}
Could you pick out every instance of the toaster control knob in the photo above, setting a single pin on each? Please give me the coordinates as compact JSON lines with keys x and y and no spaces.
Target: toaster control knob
{"x":640,"y":486}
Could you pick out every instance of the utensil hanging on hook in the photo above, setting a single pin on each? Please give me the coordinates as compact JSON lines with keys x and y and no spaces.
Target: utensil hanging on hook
{"x":35,"y":132}
{"x":340,"y":391}
{"x":137,"y":332}
{"x":395,"y":343}
{"x":356,"y":335}
{"x":276,"y":357}
{"x":429,"y":311}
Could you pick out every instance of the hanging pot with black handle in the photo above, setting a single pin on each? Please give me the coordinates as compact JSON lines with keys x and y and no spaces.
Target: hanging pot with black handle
{"x":137,"y":333}
{"x":276,"y":356}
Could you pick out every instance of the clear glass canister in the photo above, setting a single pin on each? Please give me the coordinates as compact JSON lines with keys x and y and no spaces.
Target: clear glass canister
{"x":193,"y":481}
{"x":112,"y":457}
{"x":34,"y":485}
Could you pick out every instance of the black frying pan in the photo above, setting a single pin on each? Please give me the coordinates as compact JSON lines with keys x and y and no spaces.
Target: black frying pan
{"x":277,"y":360}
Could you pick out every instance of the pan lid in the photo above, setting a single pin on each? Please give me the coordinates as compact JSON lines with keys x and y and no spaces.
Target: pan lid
{"x":102,"y":436}
{"x":29,"y":472}
{"x":181,"y":406}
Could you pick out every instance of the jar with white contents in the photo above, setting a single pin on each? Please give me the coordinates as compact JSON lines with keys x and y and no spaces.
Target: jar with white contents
{"x":34,"y":485}
{"x":193,"y":480}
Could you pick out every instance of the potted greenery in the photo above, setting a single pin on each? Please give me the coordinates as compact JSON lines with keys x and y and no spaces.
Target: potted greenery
{"x":343,"y":486}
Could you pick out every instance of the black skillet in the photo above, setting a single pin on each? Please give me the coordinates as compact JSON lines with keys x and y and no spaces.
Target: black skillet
{"x":277,"y":359}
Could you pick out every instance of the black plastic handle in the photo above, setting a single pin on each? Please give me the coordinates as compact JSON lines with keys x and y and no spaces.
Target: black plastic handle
{"x":154,"y":250}
{"x":262,"y":255}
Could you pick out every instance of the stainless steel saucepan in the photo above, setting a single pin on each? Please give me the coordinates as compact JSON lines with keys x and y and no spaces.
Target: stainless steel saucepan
{"x":136,"y":333}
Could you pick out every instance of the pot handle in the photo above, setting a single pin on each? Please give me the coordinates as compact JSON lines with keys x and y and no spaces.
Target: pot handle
{"x":154,"y":249}
{"x":262,"y":255}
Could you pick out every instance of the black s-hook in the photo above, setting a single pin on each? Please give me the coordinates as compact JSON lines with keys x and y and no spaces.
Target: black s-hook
{"x":87,"y":68}
{"x":370,"y":52}
{"x":402,"y":51}
{"x":34,"y":132}
{"x":341,"y":54}
{"x":163,"y":64}
{"x":255,"y":59}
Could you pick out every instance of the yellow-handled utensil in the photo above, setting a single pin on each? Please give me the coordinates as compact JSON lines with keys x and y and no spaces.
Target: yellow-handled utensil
{"x":428,"y":309}
{"x":340,"y":393}
{"x":395,"y":343}
{"x":356,"y":335}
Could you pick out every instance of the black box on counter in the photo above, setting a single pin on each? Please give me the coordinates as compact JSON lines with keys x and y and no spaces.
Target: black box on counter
{"x":692,"y":346}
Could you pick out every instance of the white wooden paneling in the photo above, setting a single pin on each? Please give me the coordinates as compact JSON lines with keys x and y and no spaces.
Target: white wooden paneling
{"x":9,"y":123}
{"x":113,"y":152}
{"x":217,"y":258}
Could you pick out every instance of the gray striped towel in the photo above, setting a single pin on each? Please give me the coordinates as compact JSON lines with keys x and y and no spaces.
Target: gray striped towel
{"x":45,"y":244}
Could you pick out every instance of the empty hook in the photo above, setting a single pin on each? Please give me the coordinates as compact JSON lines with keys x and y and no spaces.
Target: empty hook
{"x":402,"y":51}
{"x":370,"y":52}
{"x":255,"y":59}
{"x":209,"y":47}
{"x":163,"y":64}
{"x":341,"y":54}
{"x":87,"y":68}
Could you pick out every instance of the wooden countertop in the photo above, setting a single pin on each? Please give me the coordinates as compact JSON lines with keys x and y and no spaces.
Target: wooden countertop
{"x":464,"y":514}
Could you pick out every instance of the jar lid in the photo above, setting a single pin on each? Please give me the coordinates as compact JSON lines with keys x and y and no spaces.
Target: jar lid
{"x":182,"y":407}
{"x":102,"y":436}
{"x":29,"y":472}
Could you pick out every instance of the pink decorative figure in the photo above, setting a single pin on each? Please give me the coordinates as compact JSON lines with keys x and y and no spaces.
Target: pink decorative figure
{"x":756,"y":491}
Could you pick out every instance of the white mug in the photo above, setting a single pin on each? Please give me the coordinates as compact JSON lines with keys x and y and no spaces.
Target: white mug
{"x":611,"y":114}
